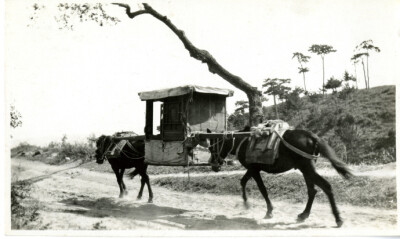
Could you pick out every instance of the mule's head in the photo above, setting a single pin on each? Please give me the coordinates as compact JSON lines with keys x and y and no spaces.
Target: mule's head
{"x":102,"y":144}
{"x":219,"y":149}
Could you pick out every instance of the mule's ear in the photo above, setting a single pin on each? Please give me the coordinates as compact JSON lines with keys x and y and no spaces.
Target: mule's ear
{"x":208,"y":130}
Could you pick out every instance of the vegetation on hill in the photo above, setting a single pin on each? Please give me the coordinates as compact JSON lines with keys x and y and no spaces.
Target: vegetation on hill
{"x":359,"y":124}
{"x":56,"y":152}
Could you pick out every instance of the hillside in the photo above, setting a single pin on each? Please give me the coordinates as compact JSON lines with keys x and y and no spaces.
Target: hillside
{"x":361,"y":125}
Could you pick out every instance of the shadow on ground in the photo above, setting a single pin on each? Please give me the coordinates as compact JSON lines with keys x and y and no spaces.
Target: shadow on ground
{"x":110,"y":207}
{"x":174,"y":217}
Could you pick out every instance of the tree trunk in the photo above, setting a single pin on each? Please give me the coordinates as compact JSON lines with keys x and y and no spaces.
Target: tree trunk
{"x":355,"y":74}
{"x":323,"y":75}
{"x":276,"y":109}
{"x":304,"y":79}
{"x":365,"y":78}
{"x":368,"y":72}
{"x":254,"y":96}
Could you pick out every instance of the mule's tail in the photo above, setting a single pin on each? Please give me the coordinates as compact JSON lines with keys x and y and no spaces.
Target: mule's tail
{"x":330,"y":154}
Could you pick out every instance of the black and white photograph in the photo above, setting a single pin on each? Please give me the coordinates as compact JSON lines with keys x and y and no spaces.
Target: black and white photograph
{"x":211,"y":118}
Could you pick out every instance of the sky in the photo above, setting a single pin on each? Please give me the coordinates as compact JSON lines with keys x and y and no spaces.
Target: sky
{"x":86,"y":81}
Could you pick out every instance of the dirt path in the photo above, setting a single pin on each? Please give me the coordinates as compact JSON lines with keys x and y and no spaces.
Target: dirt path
{"x":80,"y":199}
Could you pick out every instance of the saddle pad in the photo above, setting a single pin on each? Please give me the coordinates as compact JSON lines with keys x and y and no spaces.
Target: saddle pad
{"x":263,"y":149}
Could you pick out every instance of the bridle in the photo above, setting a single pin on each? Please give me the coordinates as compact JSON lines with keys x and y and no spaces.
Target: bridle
{"x":103,"y":156}
{"x":217,"y":149}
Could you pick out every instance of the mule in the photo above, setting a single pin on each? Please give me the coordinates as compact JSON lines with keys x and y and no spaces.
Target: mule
{"x":287,"y":159}
{"x":131,"y":156}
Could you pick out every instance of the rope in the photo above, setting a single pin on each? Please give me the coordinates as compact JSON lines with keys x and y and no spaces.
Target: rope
{"x":296,"y":150}
{"x":42,"y":177}
{"x":129,"y":157}
{"x":233,"y":145}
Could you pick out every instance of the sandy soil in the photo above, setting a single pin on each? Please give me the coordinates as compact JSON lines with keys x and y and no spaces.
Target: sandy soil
{"x":74,"y":198}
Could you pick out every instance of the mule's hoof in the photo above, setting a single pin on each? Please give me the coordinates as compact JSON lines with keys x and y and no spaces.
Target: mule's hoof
{"x":150,"y":200}
{"x":139,"y":197}
{"x":268,"y":215}
{"x":246,"y":205}
{"x":302,"y":217}
{"x":125,"y":192}
{"x":339,"y":223}
{"x":121,"y":195}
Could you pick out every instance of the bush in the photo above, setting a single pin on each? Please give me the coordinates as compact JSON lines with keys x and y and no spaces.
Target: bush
{"x":387,"y":142}
{"x":22,"y":217}
{"x":314,"y":97}
{"x":23,"y":148}
{"x":347,"y":92}
{"x":381,"y":156}
{"x":56,"y":152}
{"x":76,"y":151}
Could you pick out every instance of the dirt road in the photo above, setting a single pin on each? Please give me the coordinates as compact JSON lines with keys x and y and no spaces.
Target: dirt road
{"x":81,"y":199}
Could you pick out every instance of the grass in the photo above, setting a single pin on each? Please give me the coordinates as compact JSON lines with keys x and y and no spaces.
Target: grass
{"x":360,"y":191}
{"x":24,"y":216}
{"x":373,"y":111}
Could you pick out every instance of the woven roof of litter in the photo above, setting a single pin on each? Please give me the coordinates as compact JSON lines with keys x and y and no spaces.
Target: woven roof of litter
{"x":182,"y":90}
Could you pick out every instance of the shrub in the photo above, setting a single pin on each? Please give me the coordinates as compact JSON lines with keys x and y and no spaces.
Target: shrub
{"x":314,"y":97}
{"x":381,"y":156}
{"x":22,"y":217}
{"x":349,"y":133}
{"x":23,"y":148}
{"x":347,"y":92}
{"x":75,"y":151}
{"x":387,"y":142}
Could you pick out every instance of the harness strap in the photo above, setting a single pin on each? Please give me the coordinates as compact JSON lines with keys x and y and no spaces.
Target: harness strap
{"x":240,"y":145}
{"x":125,"y":153}
{"x":134,"y":150}
{"x":296,"y":150}
{"x":131,"y":146}
{"x":233,"y":145}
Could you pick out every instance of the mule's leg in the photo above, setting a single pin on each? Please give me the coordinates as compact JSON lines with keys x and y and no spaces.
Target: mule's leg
{"x":121,"y":173}
{"x":134,"y":173}
{"x":327,"y":188}
{"x":311,"y":195}
{"x":142,"y":181}
{"x":257,"y":177}
{"x":147,"y":180}
{"x":243,"y":182}
{"x":121,"y":189}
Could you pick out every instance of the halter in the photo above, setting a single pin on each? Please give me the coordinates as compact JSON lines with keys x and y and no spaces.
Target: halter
{"x":217,"y":153}
{"x":103,"y":156}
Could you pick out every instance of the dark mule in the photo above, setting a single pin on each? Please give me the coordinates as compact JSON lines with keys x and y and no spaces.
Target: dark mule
{"x":301,"y":139}
{"x":130,"y":157}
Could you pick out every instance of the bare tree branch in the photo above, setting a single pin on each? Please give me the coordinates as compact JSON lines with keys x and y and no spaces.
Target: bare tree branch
{"x":205,"y":57}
